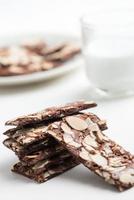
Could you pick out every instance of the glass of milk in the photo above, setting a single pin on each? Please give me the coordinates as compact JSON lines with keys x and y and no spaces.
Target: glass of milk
{"x":108,"y":49}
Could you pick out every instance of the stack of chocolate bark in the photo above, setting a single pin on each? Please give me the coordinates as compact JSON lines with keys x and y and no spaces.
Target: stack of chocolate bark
{"x":41,"y":156}
{"x":57,"y":139}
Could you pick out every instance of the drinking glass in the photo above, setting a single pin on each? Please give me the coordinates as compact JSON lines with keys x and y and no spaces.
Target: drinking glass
{"x":108,"y":50}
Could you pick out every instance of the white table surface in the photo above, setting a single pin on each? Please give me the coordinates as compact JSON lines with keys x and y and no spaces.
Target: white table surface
{"x":77,"y":183}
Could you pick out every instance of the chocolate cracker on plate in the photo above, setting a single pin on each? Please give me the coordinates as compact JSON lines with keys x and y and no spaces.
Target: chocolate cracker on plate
{"x":53,"y":49}
{"x":34,"y":57}
{"x":62,"y":53}
{"x":37,"y":47}
{"x":86,"y":142}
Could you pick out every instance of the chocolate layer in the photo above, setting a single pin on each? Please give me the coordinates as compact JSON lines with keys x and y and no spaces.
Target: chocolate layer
{"x":21,"y":151}
{"x":49,"y":173}
{"x":52,"y":113}
{"x":28,"y":136}
{"x":48,"y":152}
{"x":86,"y":142}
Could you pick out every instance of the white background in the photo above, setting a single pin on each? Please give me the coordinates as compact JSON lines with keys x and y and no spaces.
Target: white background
{"x":58,"y":16}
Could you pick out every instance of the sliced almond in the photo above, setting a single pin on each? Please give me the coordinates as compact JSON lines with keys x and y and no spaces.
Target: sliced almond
{"x":127,"y":176}
{"x":54,"y":125}
{"x":101,"y":136}
{"x":84,"y":154}
{"x":75,"y":144}
{"x":99,"y":159}
{"x":46,"y":174}
{"x":54,"y":134}
{"x":77,"y":123}
{"x":27,"y":140}
{"x":31,"y":156}
{"x":40,"y":165}
{"x":66,"y":128}
{"x":89,"y":121}
{"x":51,"y":171}
{"x":111,"y":181}
{"x":89,"y":148}
{"x":98,"y":172}
{"x":115,"y":170}
{"x":94,"y":127}
{"x":106,"y":175}
{"x":32,"y":134}
{"x":107,"y":150}
{"x":89,"y":141}
{"x":115,"y":162}
{"x":67,"y":138}
{"x":101,"y":122}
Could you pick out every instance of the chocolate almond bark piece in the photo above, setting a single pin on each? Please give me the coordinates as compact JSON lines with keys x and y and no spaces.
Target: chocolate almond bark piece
{"x":37,"y":47}
{"x":51,"y":172}
{"x":62,"y":54}
{"x":21,"y":69}
{"x":54,"y":49}
{"x":21,"y":151}
{"x":84,"y":139}
{"x":43,"y":165}
{"x":27,"y":136}
{"x":29,"y":159}
{"x":45,"y":153}
{"x":52,"y":113}
{"x":13,"y":145}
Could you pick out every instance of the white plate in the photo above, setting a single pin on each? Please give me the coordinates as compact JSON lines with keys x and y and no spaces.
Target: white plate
{"x":44,"y":75}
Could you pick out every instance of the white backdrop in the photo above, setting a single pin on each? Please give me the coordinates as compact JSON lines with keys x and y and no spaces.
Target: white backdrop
{"x":58,"y":16}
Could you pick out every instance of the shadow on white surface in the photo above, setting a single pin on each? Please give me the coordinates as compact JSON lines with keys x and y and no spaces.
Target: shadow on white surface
{"x":78,"y":175}
{"x":81,"y":175}
{"x":88,"y":93}
{"x":8,"y":175}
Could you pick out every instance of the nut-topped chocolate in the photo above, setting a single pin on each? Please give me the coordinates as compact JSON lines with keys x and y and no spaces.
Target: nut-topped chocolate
{"x":50,"y":172}
{"x":30,"y":135}
{"x":66,"y":136}
{"x":85,"y":141}
{"x":36,"y":149}
{"x":52,"y":113}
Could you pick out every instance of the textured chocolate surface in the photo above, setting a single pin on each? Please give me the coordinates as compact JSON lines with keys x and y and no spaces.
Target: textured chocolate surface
{"x":43,"y":165}
{"x":28,"y":136}
{"x":52,"y":113}
{"x":85,"y":141}
{"x":47,"y":174}
{"x":45,"y":153}
{"x":21,"y":151}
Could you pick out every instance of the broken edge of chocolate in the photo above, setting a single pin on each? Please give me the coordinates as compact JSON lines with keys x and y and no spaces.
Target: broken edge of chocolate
{"x":52,"y":113}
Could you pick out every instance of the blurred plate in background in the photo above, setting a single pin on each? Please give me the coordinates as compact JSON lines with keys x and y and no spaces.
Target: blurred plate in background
{"x":50,"y":38}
